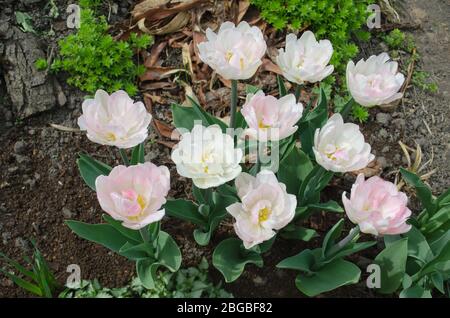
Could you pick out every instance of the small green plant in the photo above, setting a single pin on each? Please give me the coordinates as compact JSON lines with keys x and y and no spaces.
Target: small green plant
{"x":192,"y":282}
{"x":94,"y":60}
{"x":395,"y":39}
{"x":334,"y":20}
{"x":39,"y":280}
{"x":41,"y":64}
{"x":360,"y":113}
{"x":421,"y":79}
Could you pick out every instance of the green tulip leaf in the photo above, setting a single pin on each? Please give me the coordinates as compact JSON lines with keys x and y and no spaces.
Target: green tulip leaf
{"x":392,"y":262}
{"x":333,"y":275}
{"x":230,"y":259}
{"x":91,"y":168}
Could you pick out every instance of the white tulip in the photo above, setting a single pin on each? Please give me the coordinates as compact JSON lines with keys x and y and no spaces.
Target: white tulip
{"x":340,"y":147}
{"x":375,"y":81}
{"x":305,"y":59}
{"x":234,"y":52}
{"x":207,"y":156}
{"x":269,"y":118}
{"x":265,"y":207}
{"x":114,"y":120}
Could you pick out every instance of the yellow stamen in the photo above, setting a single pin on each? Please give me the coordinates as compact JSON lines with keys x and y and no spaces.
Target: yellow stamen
{"x":241,"y":63}
{"x":263,"y":214}
{"x":111,"y":136}
{"x":262,"y":125}
{"x":141,"y":201}
{"x":228,"y":56}
{"x":205,"y":169}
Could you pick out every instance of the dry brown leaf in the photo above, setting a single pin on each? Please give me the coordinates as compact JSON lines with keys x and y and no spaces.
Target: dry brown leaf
{"x":243,"y":7}
{"x":373,"y":169}
{"x":157,"y":85}
{"x":168,"y":144}
{"x":154,"y":54}
{"x":155,"y":73}
{"x":268,"y":65}
{"x":162,"y":12}
{"x":174,"y":25}
{"x":186,"y":57}
{"x":144,"y":6}
{"x":165,"y":130}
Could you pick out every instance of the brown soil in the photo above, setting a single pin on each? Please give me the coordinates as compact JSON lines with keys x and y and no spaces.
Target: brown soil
{"x":40,"y":185}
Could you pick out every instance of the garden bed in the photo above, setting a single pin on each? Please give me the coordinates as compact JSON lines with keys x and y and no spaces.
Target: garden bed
{"x":40,"y":185}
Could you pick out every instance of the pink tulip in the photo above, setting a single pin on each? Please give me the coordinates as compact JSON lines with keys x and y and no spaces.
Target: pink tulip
{"x":135,"y":194}
{"x":265,"y":207}
{"x":114,"y":120}
{"x":377,"y":207}
{"x":234,"y":52}
{"x":375,"y":81}
{"x":269,"y":118}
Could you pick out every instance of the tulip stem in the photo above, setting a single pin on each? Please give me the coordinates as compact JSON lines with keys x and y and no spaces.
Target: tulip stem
{"x":124,"y":157}
{"x":298,"y":90}
{"x":341,"y":244}
{"x":234,"y":98}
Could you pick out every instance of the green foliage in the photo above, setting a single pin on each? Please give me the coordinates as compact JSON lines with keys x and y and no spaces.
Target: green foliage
{"x":421,"y":79}
{"x":39,"y":280}
{"x":395,"y":39}
{"x":334,"y":20}
{"x":41,"y":64}
{"x":324,"y":269}
{"x":94,"y":60}
{"x":360,"y":113}
{"x":192,"y":282}
{"x":230,"y":258}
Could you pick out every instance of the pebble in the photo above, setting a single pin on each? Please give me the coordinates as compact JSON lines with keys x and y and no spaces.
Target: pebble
{"x":20,"y":147}
{"x":20,"y":242}
{"x":259,"y":281}
{"x":21,"y":159}
{"x":383,"y":118}
{"x":6,"y":236}
{"x":383,"y":162}
{"x":67,"y":213}
{"x":383,"y":133}
{"x":385,"y":149}
{"x":399,"y":123}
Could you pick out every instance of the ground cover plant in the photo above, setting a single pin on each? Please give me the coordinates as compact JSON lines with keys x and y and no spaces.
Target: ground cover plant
{"x":242,"y":144}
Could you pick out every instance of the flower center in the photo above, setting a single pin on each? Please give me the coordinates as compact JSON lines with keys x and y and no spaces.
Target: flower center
{"x":262,"y":125}
{"x":263,"y":214}
{"x":300,"y":63}
{"x":141,"y":201}
{"x":337,"y":153}
{"x":111,"y":136}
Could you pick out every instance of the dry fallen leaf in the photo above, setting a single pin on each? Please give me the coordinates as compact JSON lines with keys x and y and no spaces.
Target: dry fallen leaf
{"x":268,"y":65}
{"x":243,"y":7}
{"x":155,"y":73}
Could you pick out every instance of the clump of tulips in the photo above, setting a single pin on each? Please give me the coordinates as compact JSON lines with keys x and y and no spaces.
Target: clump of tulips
{"x":265,"y":198}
